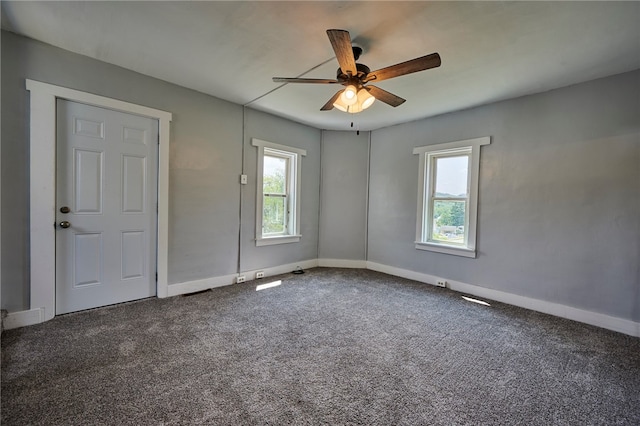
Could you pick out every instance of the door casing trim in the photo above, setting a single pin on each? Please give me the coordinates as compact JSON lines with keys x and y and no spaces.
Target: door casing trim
{"x":43,"y":186}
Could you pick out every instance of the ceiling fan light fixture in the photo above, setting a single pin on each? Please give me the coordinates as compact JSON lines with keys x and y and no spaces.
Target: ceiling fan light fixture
{"x":338,"y":104}
{"x":349,"y":96}
{"x":355,"y":108}
{"x":365,"y":99}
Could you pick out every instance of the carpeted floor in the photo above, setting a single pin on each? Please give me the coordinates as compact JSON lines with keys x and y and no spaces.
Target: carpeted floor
{"x":332,"y":346}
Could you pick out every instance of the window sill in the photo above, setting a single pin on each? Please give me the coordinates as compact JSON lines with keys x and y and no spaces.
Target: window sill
{"x":280,"y":239}
{"x":441,"y":248}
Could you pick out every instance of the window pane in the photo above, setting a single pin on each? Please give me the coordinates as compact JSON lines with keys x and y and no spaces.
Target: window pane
{"x":448,"y":221}
{"x":274,"y":175}
{"x":274,"y":215}
{"x":451,"y":176}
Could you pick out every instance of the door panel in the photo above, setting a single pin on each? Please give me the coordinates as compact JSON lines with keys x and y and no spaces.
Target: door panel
{"x":107,"y":176}
{"x":134,"y":184}
{"x":88,"y":178}
{"x":133,"y":254}
{"x":86,"y":127}
{"x":87,"y":250}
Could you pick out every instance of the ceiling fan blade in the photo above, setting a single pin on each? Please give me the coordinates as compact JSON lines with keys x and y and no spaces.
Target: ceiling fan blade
{"x":329,"y":105}
{"x":403,"y":68}
{"x":384,"y":96}
{"x":304,"y":80}
{"x":341,"y":43}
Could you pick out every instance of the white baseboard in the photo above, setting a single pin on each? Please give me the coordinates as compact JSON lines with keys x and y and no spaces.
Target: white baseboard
{"x":280,"y":269}
{"x":342,"y":263}
{"x":404,"y":273}
{"x":200,"y":285}
{"x":213,"y":282}
{"x":23,"y":318}
{"x":593,"y":318}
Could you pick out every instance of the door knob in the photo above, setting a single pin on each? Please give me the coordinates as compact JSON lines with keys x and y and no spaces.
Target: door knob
{"x":65,"y":224}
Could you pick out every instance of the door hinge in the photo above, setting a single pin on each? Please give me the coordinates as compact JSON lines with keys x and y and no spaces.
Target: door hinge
{"x":156,"y":277}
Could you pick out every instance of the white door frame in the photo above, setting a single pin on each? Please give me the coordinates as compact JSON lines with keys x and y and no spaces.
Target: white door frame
{"x":43,"y":187}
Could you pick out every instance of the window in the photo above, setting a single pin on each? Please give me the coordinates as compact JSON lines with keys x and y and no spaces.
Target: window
{"x":448,"y":196}
{"x":276,"y":178}
{"x":278,"y":193}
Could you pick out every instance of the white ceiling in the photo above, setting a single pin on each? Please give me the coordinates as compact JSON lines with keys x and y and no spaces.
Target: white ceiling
{"x":490,"y":50}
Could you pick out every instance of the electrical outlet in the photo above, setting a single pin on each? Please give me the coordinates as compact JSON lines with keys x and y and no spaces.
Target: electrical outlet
{"x":441,"y":283}
{"x":259,"y":274}
{"x":240,"y":279}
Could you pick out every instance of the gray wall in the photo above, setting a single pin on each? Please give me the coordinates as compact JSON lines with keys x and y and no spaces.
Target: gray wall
{"x":14,"y":179}
{"x":343,"y":214}
{"x":205,"y":164}
{"x":277,"y":130}
{"x":559,"y":209}
{"x":559,"y":214}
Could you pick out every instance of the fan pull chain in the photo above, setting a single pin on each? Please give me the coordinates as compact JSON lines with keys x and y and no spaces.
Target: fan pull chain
{"x":357,"y":127}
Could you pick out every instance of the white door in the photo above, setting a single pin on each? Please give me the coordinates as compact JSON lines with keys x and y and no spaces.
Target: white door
{"x":106,"y":208}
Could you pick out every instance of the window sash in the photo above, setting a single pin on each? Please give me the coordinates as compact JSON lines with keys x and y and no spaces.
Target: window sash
{"x":287,"y":170}
{"x":285,"y":215}
{"x":433,"y":161}
{"x":431,"y":166}
{"x":429,"y":226}
{"x":287,"y":225}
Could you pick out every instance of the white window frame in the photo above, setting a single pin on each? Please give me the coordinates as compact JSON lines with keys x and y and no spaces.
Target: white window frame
{"x":426,"y":194}
{"x":294,"y":173}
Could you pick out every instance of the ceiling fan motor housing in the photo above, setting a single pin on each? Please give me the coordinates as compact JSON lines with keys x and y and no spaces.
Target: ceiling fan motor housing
{"x":363,"y":70}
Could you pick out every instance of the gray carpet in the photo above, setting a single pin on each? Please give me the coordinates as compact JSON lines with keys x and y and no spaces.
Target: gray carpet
{"x":332,"y":346}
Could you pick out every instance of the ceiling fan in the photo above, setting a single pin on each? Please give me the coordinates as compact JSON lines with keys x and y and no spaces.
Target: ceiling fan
{"x":358,"y":94}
